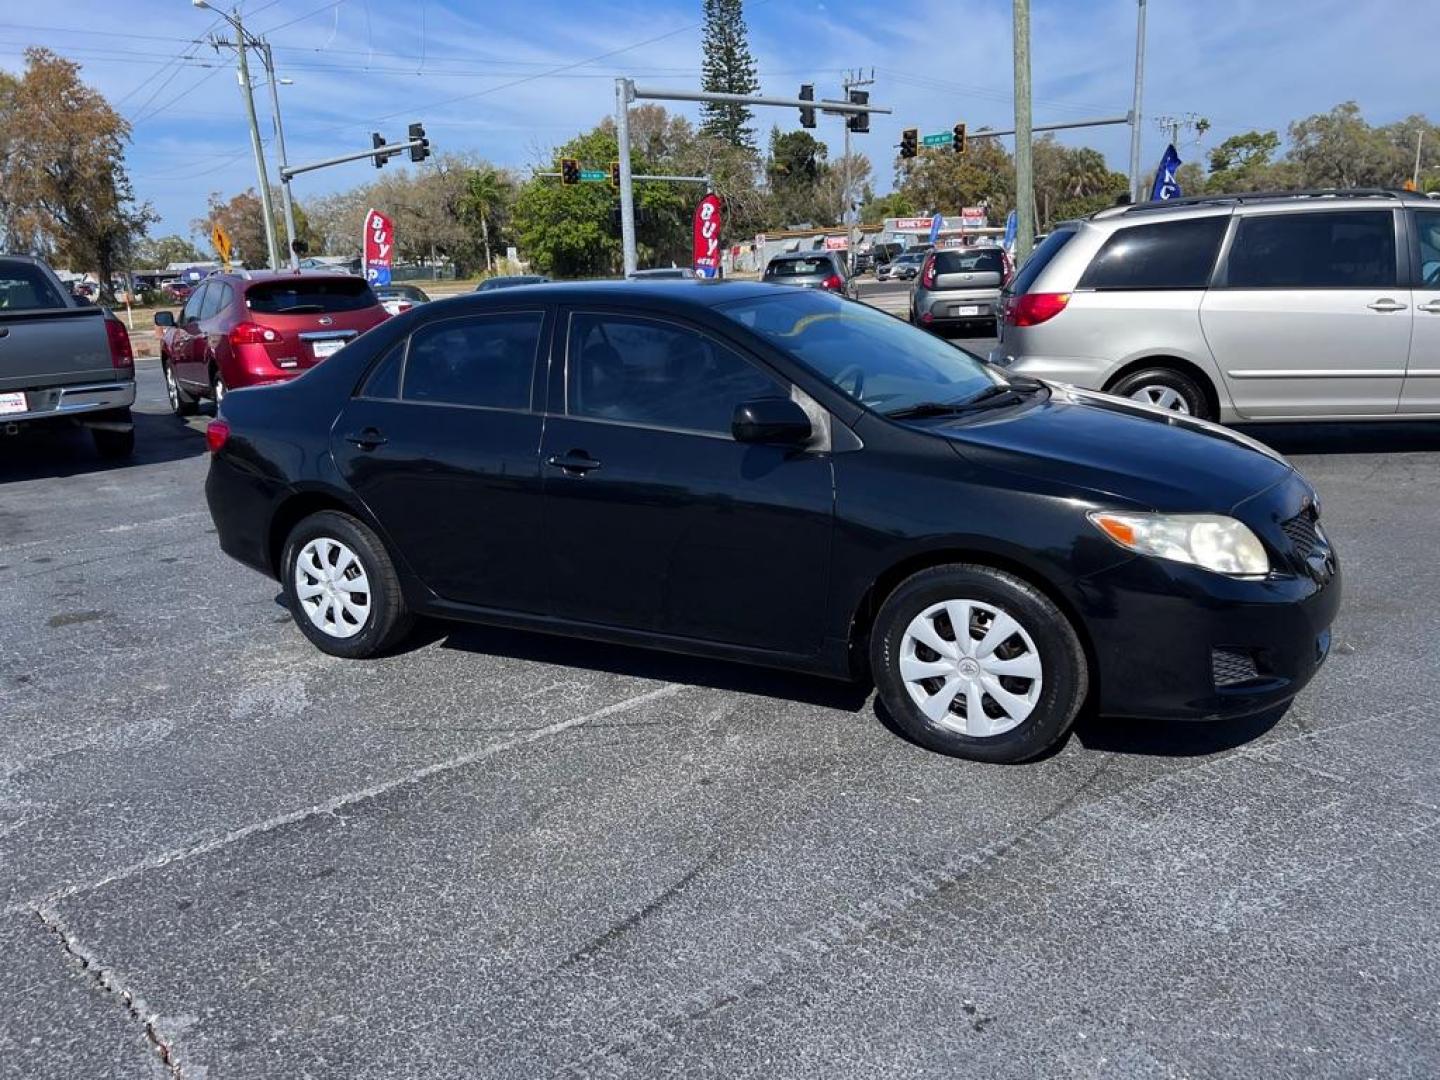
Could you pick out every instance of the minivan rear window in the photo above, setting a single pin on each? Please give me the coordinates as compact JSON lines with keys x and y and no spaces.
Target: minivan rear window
{"x":308,"y":296}
{"x":1039,"y":259}
{"x":1161,"y":255}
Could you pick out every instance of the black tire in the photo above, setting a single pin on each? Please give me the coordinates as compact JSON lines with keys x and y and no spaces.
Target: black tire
{"x":1064,"y":673}
{"x":1197,"y":402}
{"x":182,"y":402}
{"x":113,"y":445}
{"x":386,"y":622}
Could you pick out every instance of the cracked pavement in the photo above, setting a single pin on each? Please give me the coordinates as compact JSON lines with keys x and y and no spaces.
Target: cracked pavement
{"x":227,"y":855}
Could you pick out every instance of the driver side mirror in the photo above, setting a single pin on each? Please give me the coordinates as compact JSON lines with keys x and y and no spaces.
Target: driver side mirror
{"x":773,"y":420}
{"x":164,"y":318}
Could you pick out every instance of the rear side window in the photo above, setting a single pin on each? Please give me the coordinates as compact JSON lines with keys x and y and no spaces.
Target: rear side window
{"x":1163,"y":255}
{"x":969,"y":262}
{"x":308,"y":296}
{"x":1039,"y":259}
{"x":487,"y":361}
{"x":1349,"y":249}
{"x":383,"y":382}
{"x":24,"y":287}
{"x":799,"y":267}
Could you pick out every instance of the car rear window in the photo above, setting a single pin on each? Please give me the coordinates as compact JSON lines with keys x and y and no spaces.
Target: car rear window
{"x":1162,"y":255}
{"x":969,"y":262}
{"x":24,"y":287}
{"x":1039,"y":259}
{"x":303,"y":296}
{"x":799,"y":267}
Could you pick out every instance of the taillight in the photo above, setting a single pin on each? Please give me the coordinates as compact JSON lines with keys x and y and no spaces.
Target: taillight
{"x":1032,"y":309}
{"x":215,"y":435}
{"x":832,"y":282}
{"x":927,"y":275}
{"x":249,"y":333}
{"x":122,"y":357}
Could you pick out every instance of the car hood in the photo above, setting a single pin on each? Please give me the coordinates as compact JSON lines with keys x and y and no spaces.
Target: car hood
{"x":1122,"y":449}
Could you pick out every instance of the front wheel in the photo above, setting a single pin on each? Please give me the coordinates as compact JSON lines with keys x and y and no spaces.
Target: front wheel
{"x":977,"y":663}
{"x":181,"y":402}
{"x":341,"y":587}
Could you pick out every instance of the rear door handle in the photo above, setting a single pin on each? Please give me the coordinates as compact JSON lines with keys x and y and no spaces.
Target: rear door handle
{"x":1433,"y":307}
{"x":368,"y":439}
{"x":1386,"y":304}
{"x":575,"y":463}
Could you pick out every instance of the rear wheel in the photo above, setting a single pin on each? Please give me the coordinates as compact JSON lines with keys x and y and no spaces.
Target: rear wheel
{"x":1166,"y":388}
{"x":341,"y":587}
{"x":181,"y":402}
{"x":977,"y":663}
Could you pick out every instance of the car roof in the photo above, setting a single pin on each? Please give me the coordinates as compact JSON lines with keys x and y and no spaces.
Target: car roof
{"x":255,"y":277}
{"x":674,"y":293}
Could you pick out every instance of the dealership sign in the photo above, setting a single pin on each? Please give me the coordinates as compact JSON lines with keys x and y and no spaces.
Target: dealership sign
{"x":912,"y":224}
{"x":974,"y":217}
{"x":707,"y":237}
{"x":379,"y":250}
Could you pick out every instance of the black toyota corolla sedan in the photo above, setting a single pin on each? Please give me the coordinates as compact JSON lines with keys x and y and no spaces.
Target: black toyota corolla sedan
{"x":783,"y":477}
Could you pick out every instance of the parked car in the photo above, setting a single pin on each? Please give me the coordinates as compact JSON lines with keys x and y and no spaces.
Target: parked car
{"x":509,"y":281}
{"x":398,"y":299}
{"x":252,"y":327}
{"x":176,"y":292}
{"x":1301,"y":306}
{"x":811,"y":270}
{"x":904,"y":267}
{"x":62,"y":360}
{"x":781,"y":477}
{"x":960,"y":287}
{"x":663,"y":272}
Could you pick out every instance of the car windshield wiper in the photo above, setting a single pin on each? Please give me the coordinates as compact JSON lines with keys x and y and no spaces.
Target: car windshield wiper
{"x":991,"y":396}
{"x":927,"y":408}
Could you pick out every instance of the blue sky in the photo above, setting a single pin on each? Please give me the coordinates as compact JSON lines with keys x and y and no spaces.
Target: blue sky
{"x":466,"y":68}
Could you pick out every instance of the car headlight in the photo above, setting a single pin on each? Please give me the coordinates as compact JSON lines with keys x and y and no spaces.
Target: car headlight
{"x":1212,"y":541}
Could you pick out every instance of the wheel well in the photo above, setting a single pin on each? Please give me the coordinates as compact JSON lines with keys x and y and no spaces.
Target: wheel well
{"x":290,"y":513}
{"x":874,"y":598}
{"x":1203,"y":380}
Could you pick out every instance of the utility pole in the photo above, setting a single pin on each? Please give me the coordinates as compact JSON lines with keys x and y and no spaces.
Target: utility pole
{"x":286,"y":200}
{"x":853,"y":80}
{"x":624,"y":94}
{"x":1415,"y":176}
{"x":1024,"y":149}
{"x":1135,"y":104}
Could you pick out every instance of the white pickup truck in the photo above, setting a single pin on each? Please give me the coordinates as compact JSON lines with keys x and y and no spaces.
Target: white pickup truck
{"x":62,"y":360}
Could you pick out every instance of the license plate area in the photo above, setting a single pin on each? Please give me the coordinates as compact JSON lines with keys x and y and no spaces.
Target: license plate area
{"x":964,"y":311}
{"x":323,"y":347}
{"x":13,"y":403}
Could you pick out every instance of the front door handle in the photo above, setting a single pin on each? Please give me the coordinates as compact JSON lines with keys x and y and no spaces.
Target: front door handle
{"x":368,"y":439}
{"x":1386,"y":304}
{"x":574,"y":463}
{"x":1433,"y":307}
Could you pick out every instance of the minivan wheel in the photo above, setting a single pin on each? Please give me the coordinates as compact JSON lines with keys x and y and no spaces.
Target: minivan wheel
{"x":977,"y":663}
{"x":341,"y":587}
{"x":181,"y":403}
{"x":1165,"y":388}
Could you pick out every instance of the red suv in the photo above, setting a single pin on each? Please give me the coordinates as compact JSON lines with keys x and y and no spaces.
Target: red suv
{"x":252,"y":327}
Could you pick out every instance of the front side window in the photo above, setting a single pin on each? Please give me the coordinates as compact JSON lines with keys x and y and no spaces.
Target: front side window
{"x":659,"y":374}
{"x":873,"y":357}
{"x":1162,"y":255}
{"x":193,"y":305}
{"x":215,"y":296}
{"x":1343,"y":249}
{"x":485,"y":361}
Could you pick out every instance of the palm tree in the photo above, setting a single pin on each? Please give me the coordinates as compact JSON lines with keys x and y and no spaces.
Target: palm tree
{"x":484,"y":192}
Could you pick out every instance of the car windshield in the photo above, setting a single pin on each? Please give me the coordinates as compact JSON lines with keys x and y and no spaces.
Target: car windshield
{"x":873,"y":357}
{"x":305,"y":295}
{"x":798,"y":267}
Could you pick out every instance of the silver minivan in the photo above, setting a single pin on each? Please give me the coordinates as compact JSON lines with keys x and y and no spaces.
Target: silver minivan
{"x":1292,"y":306}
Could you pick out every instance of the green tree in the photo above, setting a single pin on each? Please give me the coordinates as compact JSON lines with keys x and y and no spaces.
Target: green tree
{"x":727,"y":67}
{"x":487,"y":192}
{"x":1339,"y":149}
{"x":946,"y":181}
{"x":798,"y":178}
{"x":65,"y":184}
{"x":159,"y":252}
{"x":1244,"y":163}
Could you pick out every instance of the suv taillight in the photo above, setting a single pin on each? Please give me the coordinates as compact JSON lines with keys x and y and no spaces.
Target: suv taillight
{"x":122,"y":357}
{"x":927,"y":275}
{"x":832,"y":282}
{"x":249,"y":333}
{"x":1032,"y":309}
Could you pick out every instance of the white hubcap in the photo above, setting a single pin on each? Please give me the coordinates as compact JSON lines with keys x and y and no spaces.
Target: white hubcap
{"x":1162,"y":397}
{"x":332,"y":587}
{"x":970,"y":667}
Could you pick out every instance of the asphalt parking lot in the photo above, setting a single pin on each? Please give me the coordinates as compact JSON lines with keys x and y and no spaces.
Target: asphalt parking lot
{"x":494,"y":854}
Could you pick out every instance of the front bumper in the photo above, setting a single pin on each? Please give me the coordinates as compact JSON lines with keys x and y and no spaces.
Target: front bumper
{"x":60,"y":402}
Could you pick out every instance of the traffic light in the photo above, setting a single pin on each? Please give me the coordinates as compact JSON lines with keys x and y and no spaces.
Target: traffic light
{"x":859,"y":121}
{"x":958,"y":141}
{"x":615,"y":174}
{"x":569,"y":171}
{"x":377,"y":140}
{"x":909,"y":142}
{"x":807,"y":115}
{"x":421,"y":152}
